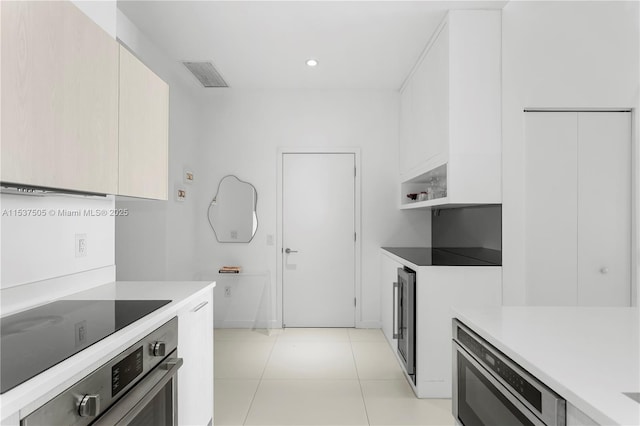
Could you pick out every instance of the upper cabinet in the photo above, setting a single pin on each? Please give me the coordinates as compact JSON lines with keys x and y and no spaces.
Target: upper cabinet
{"x":59,"y":99}
{"x":450,"y":129}
{"x":144,"y":130}
{"x":79,"y":113}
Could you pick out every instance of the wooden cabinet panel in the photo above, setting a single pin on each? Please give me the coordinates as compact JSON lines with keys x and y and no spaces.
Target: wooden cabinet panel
{"x":59,"y":98}
{"x":143,"y":132}
{"x":195,"y":346}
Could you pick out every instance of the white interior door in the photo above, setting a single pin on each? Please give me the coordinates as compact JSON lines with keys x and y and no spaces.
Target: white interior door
{"x":318,"y":216}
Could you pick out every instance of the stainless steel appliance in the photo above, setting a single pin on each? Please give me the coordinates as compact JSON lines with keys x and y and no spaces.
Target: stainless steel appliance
{"x":137,"y":387}
{"x":490,"y":389}
{"x":404,"y":316}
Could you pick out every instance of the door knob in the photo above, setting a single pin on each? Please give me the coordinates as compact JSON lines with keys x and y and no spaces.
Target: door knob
{"x":288,"y":250}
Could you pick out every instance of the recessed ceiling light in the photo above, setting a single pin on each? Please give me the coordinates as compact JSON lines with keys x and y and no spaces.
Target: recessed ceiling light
{"x":312,"y":62}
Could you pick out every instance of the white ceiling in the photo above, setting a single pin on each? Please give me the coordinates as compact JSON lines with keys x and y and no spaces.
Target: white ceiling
{"x":264,"y":44}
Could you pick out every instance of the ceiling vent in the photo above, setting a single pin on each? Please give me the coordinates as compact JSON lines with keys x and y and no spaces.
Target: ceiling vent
{"x":206,"y":73}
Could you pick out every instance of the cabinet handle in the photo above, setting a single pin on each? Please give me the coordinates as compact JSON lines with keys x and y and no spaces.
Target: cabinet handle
{"x":395,"y":313}
{"x":200,"y":306}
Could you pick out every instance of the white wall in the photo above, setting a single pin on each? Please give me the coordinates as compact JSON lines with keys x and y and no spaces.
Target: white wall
{"x":157,"y":240}
{"x":36,"y":248}
{"x":560,"y":55}
{"x":242,"y":133}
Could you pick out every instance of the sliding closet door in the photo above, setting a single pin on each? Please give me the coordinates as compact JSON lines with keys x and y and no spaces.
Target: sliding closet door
{"x":604,"y":208}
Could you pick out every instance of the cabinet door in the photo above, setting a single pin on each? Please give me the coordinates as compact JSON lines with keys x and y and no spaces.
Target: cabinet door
{"x":59,"y":98}
{"x":424,"y":117}
{"x":406,"y":129}
{"x":575,"y":417}
{"x":388,"y":276}
{"x":143,"y":141}
{"x":195,"y":347}
{"x":604,"y":208}
{"x":431,"y":100}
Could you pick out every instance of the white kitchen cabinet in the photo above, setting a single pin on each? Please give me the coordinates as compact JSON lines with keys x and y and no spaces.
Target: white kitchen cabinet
{"x":438,"y":289}
{"x":575,"y":417}
{"x":450,"y":136}
{"x":143,"y":131}
{"x":11,"y":420}
{"x":59,"y":98}
{"x":195,"y":346}
{"x":578,"y":204}
{"x":388,"y":276}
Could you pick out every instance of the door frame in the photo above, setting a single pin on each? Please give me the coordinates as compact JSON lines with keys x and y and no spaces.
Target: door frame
{"x":358,"y":224}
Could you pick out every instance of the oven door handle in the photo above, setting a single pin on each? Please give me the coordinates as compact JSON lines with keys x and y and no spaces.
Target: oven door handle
{"x":137,"y":398}
{"x":394,"y":327}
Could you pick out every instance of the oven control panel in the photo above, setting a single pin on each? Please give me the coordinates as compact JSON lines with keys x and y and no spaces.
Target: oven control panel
{"x":125,"y":371}
{"x":490,"y":360}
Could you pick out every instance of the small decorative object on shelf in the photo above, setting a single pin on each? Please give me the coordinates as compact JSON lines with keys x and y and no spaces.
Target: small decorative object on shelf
{"x":412,"y":196}
{"x":230,"y":270}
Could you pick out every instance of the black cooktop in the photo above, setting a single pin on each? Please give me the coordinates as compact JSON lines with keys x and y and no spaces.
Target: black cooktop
{"x":448,"y":256}
{"x":36,"y":340}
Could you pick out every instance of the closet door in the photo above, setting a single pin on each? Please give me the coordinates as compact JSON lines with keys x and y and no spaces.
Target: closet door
{"x":550,"y":193}
{"x":604,"y":208}
{"x":578,"y":208}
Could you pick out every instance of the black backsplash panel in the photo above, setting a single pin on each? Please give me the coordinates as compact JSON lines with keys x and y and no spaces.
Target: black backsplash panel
{"x":478,"y":226}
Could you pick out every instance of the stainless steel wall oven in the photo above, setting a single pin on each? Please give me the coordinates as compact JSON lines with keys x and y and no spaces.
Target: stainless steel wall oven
{"x":490,"y":389}
{"x":404,"y":328}
{"x":137,"y":387}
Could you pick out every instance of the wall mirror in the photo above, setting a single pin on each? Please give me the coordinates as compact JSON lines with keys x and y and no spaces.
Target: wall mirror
{"x":232,"y":212}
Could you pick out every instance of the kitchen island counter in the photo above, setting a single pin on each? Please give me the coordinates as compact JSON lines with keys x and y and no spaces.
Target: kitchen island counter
{"x":588,"y":355}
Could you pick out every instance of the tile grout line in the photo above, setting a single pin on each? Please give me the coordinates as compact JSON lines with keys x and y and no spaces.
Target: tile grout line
{"x":246,"y":416}
{"x":364,"y":402}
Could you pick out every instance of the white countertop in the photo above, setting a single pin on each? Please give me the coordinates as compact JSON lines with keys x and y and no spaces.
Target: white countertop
{"x":587,"y":355}
{"x":48,"y":384}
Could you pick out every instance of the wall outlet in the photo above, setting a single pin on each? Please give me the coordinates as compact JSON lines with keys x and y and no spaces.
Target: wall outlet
{"x":269,"y":239}
{"x":227,"y":291}
{"x":81,"y":245}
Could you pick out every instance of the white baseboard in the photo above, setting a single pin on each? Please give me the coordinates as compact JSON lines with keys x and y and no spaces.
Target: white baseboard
{"x":244,"y":324}
{"x":369,"y":324}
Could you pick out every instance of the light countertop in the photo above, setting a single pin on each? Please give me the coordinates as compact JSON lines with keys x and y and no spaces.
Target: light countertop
{"x":48,"y":384}
{"x":587,"y":355}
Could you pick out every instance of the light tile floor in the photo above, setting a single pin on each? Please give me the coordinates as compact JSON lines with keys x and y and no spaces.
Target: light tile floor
{"x":315,"y":376}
